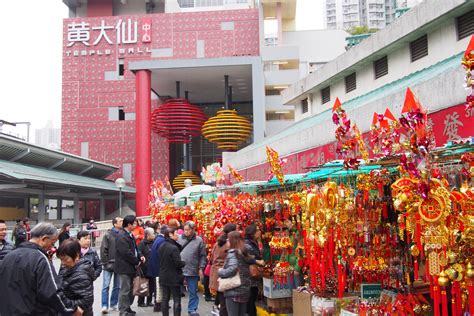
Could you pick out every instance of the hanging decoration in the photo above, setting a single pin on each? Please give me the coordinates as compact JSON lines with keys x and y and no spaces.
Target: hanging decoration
{"x":177,"y":120}
{"x":276,"y":165}
{"x":468,"y":64}
{"x":384,"y":135}
{"x":178,"y":182}
{"x":349,"y":138}
{"x":227,"y":129}
{"x":235,"y":174}
{"x":213,"y":174}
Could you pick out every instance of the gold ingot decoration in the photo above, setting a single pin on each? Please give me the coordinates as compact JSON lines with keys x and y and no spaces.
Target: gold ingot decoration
{"x":178,"y":182}
{"x":227,"y":129}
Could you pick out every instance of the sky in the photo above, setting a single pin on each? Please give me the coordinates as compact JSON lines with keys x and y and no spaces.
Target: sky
{"x":31,"y":55}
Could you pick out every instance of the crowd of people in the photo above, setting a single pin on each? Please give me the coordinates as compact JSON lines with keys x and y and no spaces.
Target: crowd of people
{"x":172,"y":258}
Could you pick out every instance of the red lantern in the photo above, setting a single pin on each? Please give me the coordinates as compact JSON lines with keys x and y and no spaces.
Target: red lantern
{"x":178,"y":120}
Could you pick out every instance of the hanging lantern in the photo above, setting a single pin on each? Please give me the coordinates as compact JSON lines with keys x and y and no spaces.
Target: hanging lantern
{"x":178,"y":120}
{"x":178,"y":182}
{"x":227,"y":129}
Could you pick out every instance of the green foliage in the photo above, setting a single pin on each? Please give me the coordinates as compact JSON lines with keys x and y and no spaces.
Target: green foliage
{"x":357,"y":30}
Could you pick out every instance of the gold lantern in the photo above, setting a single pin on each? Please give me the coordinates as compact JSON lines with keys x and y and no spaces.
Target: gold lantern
{"x":227,"y":129}
{"x":178,"y":182}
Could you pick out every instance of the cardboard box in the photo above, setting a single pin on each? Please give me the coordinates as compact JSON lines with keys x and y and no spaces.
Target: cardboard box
{"x":302,"y":303}
{"x":277,"y":290}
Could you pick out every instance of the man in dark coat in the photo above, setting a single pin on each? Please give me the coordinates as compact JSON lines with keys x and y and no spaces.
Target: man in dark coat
{"x":171,"y":272}
{"x":127,"y":259}
{"x":153,"y":268}
{"x":145,"y":248}
{"x":5,"y":246}
{"x":107,"y":256}
{"x":28,"y":279}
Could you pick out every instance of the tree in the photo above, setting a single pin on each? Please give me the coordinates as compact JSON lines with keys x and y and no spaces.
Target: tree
{"x":357,"y":30}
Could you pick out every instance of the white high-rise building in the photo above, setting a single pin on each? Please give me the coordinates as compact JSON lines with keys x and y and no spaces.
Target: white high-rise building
{"x":346,"y":14}
{"x":48,"y":136}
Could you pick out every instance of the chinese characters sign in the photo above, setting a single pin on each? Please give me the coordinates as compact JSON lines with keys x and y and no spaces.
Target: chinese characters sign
{"x":82,"y":36}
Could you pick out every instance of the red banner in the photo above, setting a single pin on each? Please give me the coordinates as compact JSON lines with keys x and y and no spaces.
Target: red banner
{"x":449,"y":124}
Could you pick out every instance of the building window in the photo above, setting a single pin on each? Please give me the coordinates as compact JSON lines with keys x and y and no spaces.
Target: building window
{"x":304,"y":105}
{"x":121,"y":68}
{"x":380,"y":67}
{"x":121,"y":114}
{"x":351,"y":82}
{"x":419,"y":48}
{"x":465,"y":25}
{"x":325,"y":95}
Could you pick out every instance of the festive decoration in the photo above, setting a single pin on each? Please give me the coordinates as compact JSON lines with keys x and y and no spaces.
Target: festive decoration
{"x":276,"y":165}
{"x":235,"y":174}
{"x":178,"y":182}
{"x":468,"y":64}
{"x":178,"y":120}
{"x":227,"y":129}
{"x":384,"y":134}
{"x":213,"y":174}
{"x":349,"y":138}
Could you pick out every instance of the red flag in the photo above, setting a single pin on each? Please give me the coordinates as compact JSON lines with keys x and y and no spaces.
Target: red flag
{"x":337,"y":105}
{"x":375,"y":119}
{"x":389,"y":115}
{"x":470,"y":47}
{"x":410,"y":102}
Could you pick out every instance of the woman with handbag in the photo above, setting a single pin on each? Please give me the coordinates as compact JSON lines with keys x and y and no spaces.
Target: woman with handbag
{"x":218,"y":256}
{"x":235,"y":276}
{"x":252,"y":236}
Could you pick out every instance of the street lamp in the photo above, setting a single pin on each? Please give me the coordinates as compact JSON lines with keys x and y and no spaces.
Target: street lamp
{"x":120,"y":184}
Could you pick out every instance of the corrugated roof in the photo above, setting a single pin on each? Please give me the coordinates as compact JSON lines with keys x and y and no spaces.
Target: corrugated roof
{"x":30,"y":173}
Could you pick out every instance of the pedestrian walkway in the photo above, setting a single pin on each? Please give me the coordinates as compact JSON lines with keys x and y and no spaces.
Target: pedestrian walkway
{"x":205,"y":308}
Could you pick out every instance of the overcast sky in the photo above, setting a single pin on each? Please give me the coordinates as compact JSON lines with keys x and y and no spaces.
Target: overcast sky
{"x":30,"y":51}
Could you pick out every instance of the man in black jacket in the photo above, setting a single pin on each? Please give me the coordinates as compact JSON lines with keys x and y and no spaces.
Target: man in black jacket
{"x":107,"y":256}
{"x":126,"y":261}
{"x":171,"y":272}
{"x":5,"y":246}
{"x":28,"y":279}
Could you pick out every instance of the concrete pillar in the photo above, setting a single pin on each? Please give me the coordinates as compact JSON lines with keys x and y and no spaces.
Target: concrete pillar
{"x":102,"y":208}
{"x":41,"y":208}
{"x":258,"y":102}
{"x":60,"y":208}
{"x":280,"y":23}
{"x":142,"y":140}
{"x":77,"y":215}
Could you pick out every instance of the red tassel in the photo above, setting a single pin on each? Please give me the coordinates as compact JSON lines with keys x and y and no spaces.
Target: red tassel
{"x":444,"y":301}
{"x":470,"y":290}
{"x":458,"y":298}
{"x":453,"y":300}
{"x":384,"y":210}
{"x":436,"y":299}
{"x":380,"y":187}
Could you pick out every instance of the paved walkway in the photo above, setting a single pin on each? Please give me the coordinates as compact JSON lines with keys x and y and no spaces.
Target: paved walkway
{"x":204,"y":307}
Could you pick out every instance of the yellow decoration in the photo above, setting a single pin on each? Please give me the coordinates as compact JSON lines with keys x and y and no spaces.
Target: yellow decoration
{"x":178,"y":182}
{"x":227,"y":129}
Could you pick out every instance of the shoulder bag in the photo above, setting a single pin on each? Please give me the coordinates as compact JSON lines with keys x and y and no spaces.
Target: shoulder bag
{"x":140,"y":284}
{"x":229,"y":283}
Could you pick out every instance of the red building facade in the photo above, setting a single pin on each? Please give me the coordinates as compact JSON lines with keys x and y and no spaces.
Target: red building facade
{"x":98,"y":91}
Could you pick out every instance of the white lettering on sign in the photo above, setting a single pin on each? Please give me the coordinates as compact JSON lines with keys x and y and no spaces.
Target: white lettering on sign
{"x":451,"y":124}
{"x":103,"y":32}
{"x":121,"y":52}
{"x":126,"y":31}
{"x":78,"y":33}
